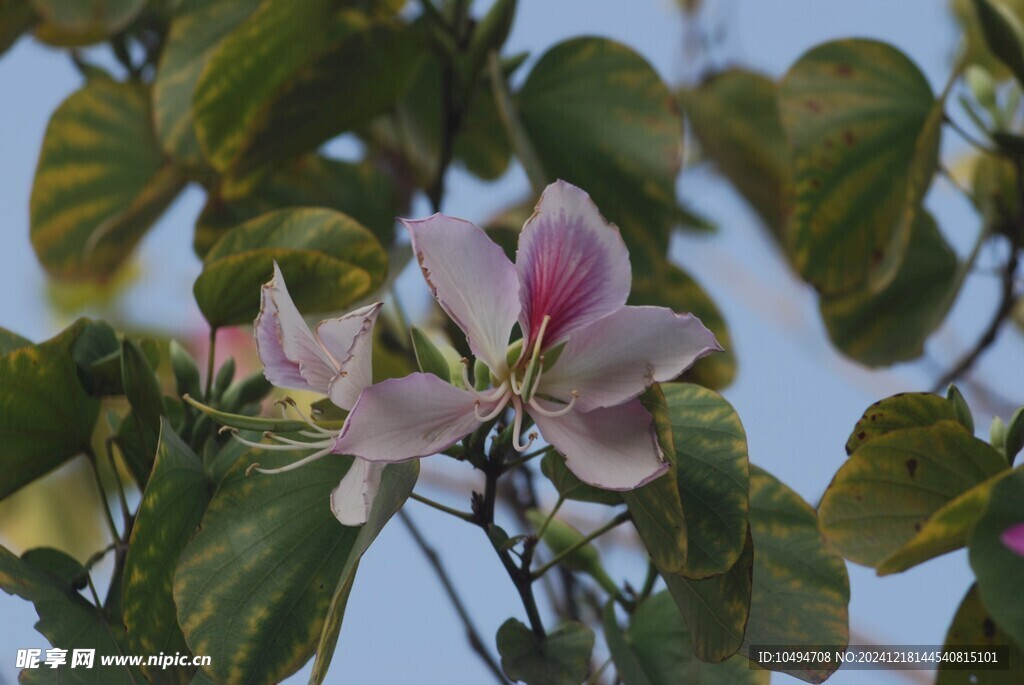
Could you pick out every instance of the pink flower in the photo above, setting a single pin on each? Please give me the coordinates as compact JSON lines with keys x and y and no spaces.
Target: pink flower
{"x":334,"y":360}
{"x":1013,"y":538}
{"x":568,"y":287}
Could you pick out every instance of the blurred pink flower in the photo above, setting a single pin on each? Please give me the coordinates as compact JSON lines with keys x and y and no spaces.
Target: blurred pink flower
{"x":1013,"y":537}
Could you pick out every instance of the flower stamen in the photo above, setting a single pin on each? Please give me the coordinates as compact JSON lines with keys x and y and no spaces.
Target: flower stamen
{"x":305,"y":419}
{"x":518,"y":426}
{"x":294,"y":465}
{"x":553,"y":413}
{"x":498,"y":408}
{"x":482,"y":396}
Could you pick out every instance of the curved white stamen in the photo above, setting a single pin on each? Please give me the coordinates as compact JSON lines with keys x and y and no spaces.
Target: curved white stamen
{"x":512,"y":382}
{"x":301,"y":462}
{"x":518,"y":426}
{"x":264,"y":445}
{"x":300,"y":444}
{"x":305,"y":419}
{"x":489,"y":396}
{"x":553,"y":413}
{"x":498,"y":408}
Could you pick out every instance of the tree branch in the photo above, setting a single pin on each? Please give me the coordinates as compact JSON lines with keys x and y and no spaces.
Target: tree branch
{"x":472,"y":634}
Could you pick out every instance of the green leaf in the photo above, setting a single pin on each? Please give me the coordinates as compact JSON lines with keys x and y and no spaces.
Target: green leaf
{"x":656,"y":508}
{"x":677,"y":290}
{"x":101,"y":181}
{"x":716,"y":609}
{"x":196,"y":32}
{"x":562,"y":658}
{"x":1013,"y":440}
{"x":600,"y":117}
{"x":46,"y":417}
{"x":735,"y":117}
{"x":428,"y":356}
{"x":994,"y":188}
{"x":657,"y":648}
{"x":865,"y":128}
{"x":362,"y":191}
{"x":889,"y":326}
{"x":97,"y":351}
{"x":59,"y":564}
{"x":172,"y":506}
{"x":713,"y":473}
{"x":889,"y":487}
{"x":801,"y":589}
{"x":293,"y":76}
{"x":569,"y":486}
{"x":16,"y":16}
{"x":946,"y":530}
{"x":999,"y":570}
{"x":905,"y":410}
{"x":68,"y":621}
{"x":1004,"y":35}
{"x":396,"y":485}
{"x":973,"y":625}
{"x":146,"y":400}
{"x":963,"y":411}
{"x":186,"y":371}
{"x":81,"y":22}
{"x":328,"y":260}
{"x":10,"y":341}
{"x":269,"y":548}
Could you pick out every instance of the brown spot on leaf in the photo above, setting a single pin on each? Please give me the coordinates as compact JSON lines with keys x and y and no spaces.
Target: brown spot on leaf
{"x":862,"y":435}
{"x":844,"y":70}
{"x":849,"y":138}
{"x":988,"y":627}
{"x":813,"y":105}
{"x":873,"y":417}
{"x":911,"y":466}
{"x":876,"y":256}
{"x":917,"y":526}
{"x":816,"y":183}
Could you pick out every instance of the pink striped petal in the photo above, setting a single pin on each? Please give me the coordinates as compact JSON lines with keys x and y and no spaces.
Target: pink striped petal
{"x":291,"y":355}
{"x":613,"y":448}
{"x":349,"y":339}
{"x":472,"y":280}
{"x":1013,"y":537}
{"x":616,"y":357}
{"x":352,"y":499}
{"x":573,"y":265}
{"x":406,"y":418}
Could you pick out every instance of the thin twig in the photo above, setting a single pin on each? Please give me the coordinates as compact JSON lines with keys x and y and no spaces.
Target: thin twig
{"x":472,"y":634}
{"x":561,"y":556}
{"x":1006,"y":301}
{"x":209,"y":364}
{"x":114,"y":534}
{"x":125,"y":511}
{"x":465,"y":516}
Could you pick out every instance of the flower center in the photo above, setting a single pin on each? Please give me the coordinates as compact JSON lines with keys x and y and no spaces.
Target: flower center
{"x":520,"y":390}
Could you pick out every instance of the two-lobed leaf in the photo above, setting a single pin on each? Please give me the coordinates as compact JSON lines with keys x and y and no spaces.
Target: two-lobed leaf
{"x":328,"y":259}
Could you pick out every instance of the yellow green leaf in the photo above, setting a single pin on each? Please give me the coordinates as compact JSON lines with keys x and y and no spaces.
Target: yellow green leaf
{"x":101,"y":181}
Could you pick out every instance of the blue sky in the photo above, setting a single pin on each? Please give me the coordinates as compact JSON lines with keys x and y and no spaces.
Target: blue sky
{"x":797,"y":398}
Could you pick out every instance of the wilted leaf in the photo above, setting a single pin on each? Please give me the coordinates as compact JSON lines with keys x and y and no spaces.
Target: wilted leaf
{"x":880,"y":329}
{"x":735,"y":116}
{"x":905,"y":410}
{"x":889,"y":487}
{"x":864,"y":127}
{"x":81,"y":22}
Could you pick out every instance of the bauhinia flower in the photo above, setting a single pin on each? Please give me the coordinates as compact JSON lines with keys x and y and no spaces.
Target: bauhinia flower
{"x":334,"y":360}
{"x":1013,"y":538}
{"x":585,"y":355}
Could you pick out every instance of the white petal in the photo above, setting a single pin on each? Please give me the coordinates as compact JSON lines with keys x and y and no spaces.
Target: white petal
{"x":616,"y":357}
{"x":349,"y":339}
{"x":405,"y":418}
{"x":352,"y":499}
{"x":472,"y":280}
{"x":614,"y":448}
{"x":291,"y":356}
